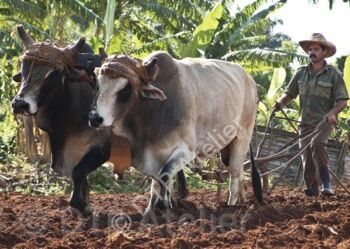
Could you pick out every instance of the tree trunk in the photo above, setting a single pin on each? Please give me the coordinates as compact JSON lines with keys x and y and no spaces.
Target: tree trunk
{"x":45,"y":147}
{"x":32,"y":141}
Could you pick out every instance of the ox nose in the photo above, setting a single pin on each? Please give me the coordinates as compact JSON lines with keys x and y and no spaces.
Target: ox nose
{"x":94,"y":119}
{"x":19,"y":106}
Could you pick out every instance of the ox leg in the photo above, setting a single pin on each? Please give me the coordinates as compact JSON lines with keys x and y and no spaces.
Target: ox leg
{"x":177,"y":161}
{"x":91,"y":161}
{"x":182,"y":184}
{"x":156,"y":192}
{"x":78,"y":199}
{"x":225,"y":156}
{"x":161,"y":190}
{"x":86,"y":191}
{"x":238,"y":151}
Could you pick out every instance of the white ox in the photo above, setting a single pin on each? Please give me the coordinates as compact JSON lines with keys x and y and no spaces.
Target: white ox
{"x":194,"y":108}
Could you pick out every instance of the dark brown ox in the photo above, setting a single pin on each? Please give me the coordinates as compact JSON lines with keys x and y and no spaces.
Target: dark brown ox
{"x":52,"y":90}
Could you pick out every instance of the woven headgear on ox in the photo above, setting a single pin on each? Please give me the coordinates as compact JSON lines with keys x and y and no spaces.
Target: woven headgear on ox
{"x":125,"y":67}
{"x":46,"y":53}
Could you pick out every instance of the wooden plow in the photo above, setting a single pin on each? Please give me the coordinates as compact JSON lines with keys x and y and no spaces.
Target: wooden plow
{"x":262,"y":161}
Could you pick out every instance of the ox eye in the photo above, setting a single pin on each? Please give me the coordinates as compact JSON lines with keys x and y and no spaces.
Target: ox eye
{"x":124,"y":94}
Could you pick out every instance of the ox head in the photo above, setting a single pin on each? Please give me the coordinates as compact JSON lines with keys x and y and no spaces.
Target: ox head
{"x":123,"y":82}
{"x":42,"y":68}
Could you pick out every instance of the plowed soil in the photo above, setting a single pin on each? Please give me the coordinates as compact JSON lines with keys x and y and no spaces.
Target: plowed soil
{"x":288,"y":220}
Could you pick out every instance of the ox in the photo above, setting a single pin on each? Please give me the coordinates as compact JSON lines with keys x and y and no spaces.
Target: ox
{"x":52,"y":90}
{"x":193,"y":109}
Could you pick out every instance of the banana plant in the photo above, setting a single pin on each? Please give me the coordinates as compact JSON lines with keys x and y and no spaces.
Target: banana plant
{"x":347,"y":73}
{"x":278,"y":78}
{"x":109,"y":20}
{"x":203,"y":34}
{"x":346,"y":114}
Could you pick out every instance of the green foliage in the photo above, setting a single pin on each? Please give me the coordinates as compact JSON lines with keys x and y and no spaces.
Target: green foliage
{"x":7,"y":89}
{"x":30,"y":11}
{"x":40,"y":179}
{"x":109,"y":20}
{"x":32,"y":179}
{"x":171,"y":15}
{"x":344,"y":116}
{"x":204,"y":32}
{"x":347,"y":73}
{"x":8,"y":128}
{"x":102,"y":180}
{"x":83,"y":10}
{"x":279,"y":75}
{"x":194,"y":181}
{"x":262,"y":59}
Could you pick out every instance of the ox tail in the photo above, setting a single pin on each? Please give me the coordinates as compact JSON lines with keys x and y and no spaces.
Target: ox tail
{"x":256,"y":181}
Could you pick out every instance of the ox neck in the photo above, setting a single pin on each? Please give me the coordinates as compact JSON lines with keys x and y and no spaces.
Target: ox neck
{"x":55,"y":107}
{"x":55,"y":100}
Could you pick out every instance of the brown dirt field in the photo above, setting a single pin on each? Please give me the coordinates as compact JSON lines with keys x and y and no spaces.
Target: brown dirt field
{"x":289,"y":220}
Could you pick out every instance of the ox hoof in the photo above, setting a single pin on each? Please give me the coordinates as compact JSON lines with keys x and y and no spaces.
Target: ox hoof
{"x":183,"y":192}
{"x":81,"y":207}
{"x":163,"y":204}
{"x":147,"y":215}
{"x":232,"y":201}
{"x":87,"y":212}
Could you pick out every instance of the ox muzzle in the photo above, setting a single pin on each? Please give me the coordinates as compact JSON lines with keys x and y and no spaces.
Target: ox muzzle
{"x":95,"y":120}
{"x":19,"y":106}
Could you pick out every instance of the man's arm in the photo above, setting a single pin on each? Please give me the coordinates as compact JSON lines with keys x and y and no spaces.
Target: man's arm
{"x":282,"y":102}
{"x":331,"y":116}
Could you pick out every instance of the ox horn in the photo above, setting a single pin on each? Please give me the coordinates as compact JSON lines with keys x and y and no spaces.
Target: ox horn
{"x":152,"y":69}
{"x":25,"y":37}
{"x":151,"y":63}
{"x":103,"y":54}
{"x":75,"y":48}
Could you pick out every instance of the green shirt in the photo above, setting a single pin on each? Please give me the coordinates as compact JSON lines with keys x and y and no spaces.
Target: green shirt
{"x":318,"y":93}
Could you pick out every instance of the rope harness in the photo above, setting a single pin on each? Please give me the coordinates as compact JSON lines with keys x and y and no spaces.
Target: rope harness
{"x":48,"y":54}
{"x":126,"y":67}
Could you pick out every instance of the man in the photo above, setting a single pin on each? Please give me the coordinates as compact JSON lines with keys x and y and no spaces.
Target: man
{"x":323,"y":95}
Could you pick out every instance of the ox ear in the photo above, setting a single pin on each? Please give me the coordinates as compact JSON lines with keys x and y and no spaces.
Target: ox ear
{"x":17,"y":77}
{"x":151,"y":92}
{"x":152,"y":69}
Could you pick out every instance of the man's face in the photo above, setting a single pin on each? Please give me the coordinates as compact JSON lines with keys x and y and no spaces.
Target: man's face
{"x":316,"y":53}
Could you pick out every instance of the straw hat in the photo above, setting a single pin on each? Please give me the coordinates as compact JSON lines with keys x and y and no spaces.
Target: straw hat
{"x":318,"y":38}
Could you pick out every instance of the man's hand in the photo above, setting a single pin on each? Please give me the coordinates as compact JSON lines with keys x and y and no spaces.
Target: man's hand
{"x":331,"y":118}
{"x":281,"y":102}
{"x":276,"y":107}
